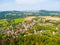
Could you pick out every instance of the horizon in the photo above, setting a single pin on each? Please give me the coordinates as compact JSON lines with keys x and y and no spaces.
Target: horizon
{"x":30,"y":10}
{"x":27,"y":5}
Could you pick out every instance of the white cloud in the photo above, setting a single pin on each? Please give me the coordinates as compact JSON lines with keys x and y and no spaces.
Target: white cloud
{"x":29,"y":1}
{"x":31,"y":5}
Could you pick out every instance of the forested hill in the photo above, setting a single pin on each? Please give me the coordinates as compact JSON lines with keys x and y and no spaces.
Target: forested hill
{"x":18,"y":14}
{"x":51,"y":13}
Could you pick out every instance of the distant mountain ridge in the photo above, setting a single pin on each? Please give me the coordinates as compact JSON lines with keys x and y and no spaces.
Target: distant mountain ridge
{"x":18,"y":14}
{"x":51,"y":13}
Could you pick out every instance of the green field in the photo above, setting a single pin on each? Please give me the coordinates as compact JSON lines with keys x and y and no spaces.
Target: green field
{"x":18,"y":20}
{"x":3,"y":21}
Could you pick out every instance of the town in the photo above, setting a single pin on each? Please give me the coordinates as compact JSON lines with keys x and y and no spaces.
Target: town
{"x":35,"y":26}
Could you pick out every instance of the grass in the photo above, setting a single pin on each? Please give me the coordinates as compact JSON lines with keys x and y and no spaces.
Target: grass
{"x":19,"y":20}
{"x":3,"y":21}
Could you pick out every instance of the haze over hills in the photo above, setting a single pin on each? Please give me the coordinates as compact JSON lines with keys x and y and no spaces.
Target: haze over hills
{"x":18,"y":14}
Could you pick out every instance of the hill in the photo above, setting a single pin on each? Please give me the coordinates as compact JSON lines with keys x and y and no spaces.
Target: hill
{"x":21,"y":14}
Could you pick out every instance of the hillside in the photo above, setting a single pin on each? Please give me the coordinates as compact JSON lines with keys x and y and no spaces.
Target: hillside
{"x":21,"y":14}
{"x":32,"y":30}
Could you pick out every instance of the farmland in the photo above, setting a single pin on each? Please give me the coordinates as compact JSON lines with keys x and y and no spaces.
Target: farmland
{"x":18,"y":20}
{"x":29,"y":18}
{"x":51,"y":18}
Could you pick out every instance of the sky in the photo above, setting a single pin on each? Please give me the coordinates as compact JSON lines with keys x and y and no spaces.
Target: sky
{"x":29,"y":5}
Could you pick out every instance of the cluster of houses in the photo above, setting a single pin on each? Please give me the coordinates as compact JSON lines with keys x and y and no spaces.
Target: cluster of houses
{"x":23,"y":27}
